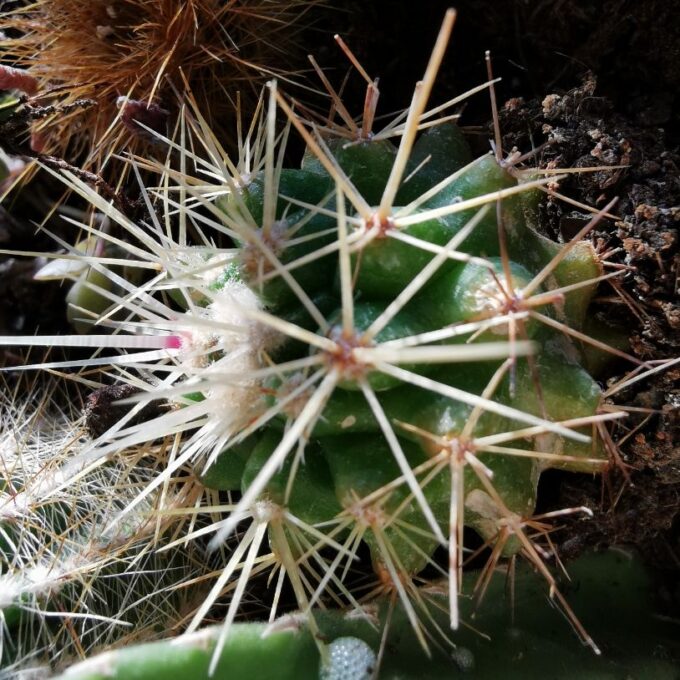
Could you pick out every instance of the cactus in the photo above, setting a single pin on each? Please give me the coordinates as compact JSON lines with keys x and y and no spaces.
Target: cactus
{"x":129,"y":55}
{"x":70,"y":582}
{"x":523,"y":645}
{"x":384,"y":352}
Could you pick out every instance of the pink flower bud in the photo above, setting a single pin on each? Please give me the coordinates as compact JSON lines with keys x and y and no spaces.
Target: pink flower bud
{"x":136,"y":115}
{"x":16,"y":79}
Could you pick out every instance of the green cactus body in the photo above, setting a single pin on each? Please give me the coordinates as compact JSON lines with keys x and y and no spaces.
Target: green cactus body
{"x":311,"y":498}
{"x":520,"y":639}
{"x":440,"y":151}
{"x":472,"y":292}
{"x":563,"y":390}
{"x":374,"y":425}
{"x":366,"y":163}
{"x":360,"y":465}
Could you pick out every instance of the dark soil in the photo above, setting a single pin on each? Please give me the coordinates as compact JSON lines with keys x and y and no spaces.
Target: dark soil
{"x":641,"y":505}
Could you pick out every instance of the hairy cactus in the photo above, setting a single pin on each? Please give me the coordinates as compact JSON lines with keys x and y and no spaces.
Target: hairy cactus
{"x":127,"y":56}
{"x":385,"y":352}
{"x":71,"y":582}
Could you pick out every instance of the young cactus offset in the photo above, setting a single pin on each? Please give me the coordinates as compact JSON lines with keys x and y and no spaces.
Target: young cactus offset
{"x":382,"y":358}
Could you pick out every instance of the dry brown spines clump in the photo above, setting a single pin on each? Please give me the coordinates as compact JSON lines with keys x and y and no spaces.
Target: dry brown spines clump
{"x":106,"y":50}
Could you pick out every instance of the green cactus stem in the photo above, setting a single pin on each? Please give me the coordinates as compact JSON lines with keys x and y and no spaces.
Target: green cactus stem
{"x":611,"y":590}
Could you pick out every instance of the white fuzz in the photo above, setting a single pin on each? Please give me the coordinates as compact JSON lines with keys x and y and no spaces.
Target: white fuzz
{"x":229,"y":351}
{"x":230,"y":306}
{"x":56,"y":559}
{"x":39,"y":580}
